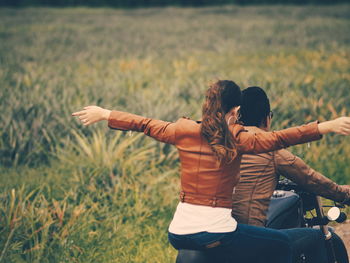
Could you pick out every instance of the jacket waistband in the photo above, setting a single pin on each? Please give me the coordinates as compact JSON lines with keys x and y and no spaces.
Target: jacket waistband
{"x":199,"y":199}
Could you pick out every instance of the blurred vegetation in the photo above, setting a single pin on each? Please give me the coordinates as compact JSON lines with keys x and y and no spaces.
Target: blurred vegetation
{"x":158,"y":3}
{"x":75,"y":194}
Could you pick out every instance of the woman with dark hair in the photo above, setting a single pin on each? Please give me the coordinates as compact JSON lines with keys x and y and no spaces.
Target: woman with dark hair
{"x":210,"y":155}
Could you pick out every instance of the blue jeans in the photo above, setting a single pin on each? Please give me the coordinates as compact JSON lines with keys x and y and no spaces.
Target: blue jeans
{"x":309,"y":242}
{"x":250,"y":244}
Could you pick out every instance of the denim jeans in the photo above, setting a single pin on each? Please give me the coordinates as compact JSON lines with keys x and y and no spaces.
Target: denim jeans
{"x":250,"y":244}
{"x":309,"y":242}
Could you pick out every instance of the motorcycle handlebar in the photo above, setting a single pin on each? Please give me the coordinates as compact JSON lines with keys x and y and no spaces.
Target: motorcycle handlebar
{"x":317,"y":221}
{"x":288,"y":185}
{"x":342,"y":218}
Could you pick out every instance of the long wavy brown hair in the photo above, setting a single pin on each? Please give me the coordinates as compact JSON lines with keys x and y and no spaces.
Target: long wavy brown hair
{"x":220,"y":98}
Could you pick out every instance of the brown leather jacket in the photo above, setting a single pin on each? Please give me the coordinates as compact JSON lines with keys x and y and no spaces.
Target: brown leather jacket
{"x":203,"y":180}
{"x":260,"y":174}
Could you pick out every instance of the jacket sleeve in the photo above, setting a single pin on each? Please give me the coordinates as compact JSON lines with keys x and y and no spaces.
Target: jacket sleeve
{"x":249,"y":142}
{"x":160,"y":130}
{"x":295,"y":169}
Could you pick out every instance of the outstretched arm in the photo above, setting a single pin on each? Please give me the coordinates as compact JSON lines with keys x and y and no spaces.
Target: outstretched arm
{"x":295,"y":169}
{"x":248,"y":142}
{"x":160,"y":130}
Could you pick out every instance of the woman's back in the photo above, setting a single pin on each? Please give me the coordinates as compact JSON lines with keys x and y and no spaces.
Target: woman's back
{"x":204,"y":179}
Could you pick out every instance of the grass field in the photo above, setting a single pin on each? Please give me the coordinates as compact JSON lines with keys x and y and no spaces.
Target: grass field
{"x":74,"y":194}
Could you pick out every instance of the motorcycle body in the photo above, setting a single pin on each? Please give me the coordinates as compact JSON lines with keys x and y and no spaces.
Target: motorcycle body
{"x":290,"y":207}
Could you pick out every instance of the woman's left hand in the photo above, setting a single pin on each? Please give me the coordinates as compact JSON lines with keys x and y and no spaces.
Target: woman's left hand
{"x":92,"y":114}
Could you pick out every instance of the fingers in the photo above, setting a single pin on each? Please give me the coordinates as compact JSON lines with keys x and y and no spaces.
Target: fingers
{"x":89,"y":107}
{"x":346,"y":121}
{"x":82,"y":115}
{"x":86,"y":123}
{"x":79,"y":113}
{"x":345,"y":131}
{"x":83,"y":119}
{"x":345,"y":127}
{"x":88,"y":115}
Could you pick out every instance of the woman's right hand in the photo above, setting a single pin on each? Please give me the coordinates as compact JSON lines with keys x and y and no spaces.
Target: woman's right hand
{"x":340,"y":126}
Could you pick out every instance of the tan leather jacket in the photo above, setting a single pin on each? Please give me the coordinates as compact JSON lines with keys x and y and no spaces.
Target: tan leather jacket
{"x":260,"y":174}
{"x":203,"y":180}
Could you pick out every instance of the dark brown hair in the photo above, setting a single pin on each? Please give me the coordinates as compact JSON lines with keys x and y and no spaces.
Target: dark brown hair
{"x":255,"y":107}
{"x":220,"y":98}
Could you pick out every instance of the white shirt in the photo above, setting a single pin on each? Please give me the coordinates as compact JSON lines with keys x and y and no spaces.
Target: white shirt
{"x":190,"y":219}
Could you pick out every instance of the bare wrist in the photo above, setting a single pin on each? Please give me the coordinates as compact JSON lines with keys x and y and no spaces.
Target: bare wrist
{"x":325,"y":127}
{"x":106,"y":113}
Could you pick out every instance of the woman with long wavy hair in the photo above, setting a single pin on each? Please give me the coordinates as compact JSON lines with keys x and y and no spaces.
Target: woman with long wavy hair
{"x":210,"y":153}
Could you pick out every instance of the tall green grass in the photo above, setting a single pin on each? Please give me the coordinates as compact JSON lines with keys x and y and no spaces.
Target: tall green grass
{"x":76,"y":194}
